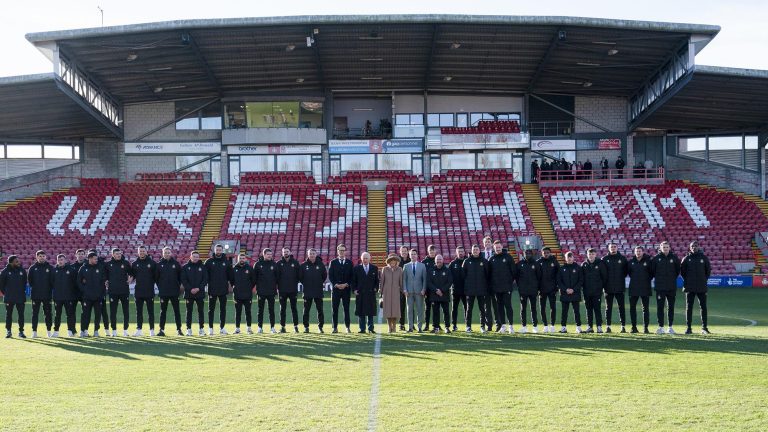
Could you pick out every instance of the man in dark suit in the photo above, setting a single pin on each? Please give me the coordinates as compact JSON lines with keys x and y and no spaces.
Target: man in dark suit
{"x":365,"y":284}
{"x":340,"y":275}
{"x":695,"y":270}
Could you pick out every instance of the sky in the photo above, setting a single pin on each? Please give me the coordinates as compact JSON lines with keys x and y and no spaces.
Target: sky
{"x":741,"y":43}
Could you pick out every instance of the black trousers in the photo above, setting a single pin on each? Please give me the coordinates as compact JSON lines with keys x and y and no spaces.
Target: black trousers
{"x":318,"y":307}
{"x":633,"y":310}
{"x":174,"y":301}
{"x":491,"y":308}
{"x":284,"y":299}
{"x":104,"y":312}
{"x":69,"y":307}
{"x":689,"y":298}
{"x":403,"y":301}
{"x":191,"y":303}
{"x":576,"y":313}
{"x":222,"y":309}
{"x":46,"y":311}
{"x":341,"y":296}
{"x":427,"y":312}
{"x":85,"y":318}
{"x":436,"y":306}
{"x":455,"y":307}
{"x":525,"y":301}
{"x":594,"y":311}
{"x":140,"y":302}
{"x":9,"y":315}
{"x":609,"y":308}
{"x":503,"y":303}
{"x":665,"y":300}
{"x":113,"y":302}
{"x":543,"y":298}
{"x":270,"y":299}
{"x":239,"y":306}
{"x":481,"y":302}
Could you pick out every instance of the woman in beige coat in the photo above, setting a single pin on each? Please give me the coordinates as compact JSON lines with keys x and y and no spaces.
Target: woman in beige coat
{"x":391,"y":281}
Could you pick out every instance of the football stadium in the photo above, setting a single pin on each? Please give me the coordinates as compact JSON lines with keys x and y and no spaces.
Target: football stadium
{"x":384,"y":222}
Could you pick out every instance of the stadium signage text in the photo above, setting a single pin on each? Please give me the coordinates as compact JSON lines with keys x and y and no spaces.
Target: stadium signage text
{"x":205,"y":147}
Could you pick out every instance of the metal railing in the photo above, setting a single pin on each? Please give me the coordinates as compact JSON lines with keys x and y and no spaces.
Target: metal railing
{"x":626,"y":176}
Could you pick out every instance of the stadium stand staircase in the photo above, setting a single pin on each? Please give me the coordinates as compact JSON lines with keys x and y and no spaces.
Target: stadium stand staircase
{"x":542,"y":223}
{"x":377,"y":226}
{"x":12,"y":203}
{"x":215,"y":218}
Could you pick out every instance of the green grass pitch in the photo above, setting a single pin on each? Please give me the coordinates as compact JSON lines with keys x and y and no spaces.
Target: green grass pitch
{"x":420,"y":382}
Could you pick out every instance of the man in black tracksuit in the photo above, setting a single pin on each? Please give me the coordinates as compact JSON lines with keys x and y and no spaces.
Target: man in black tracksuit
{"x":595,"y":276}
{"x":64,"y":294}
{"x":218,"y":287}
{"x":104,"y":306}
{"x":266,"y":288}
{"x":80,"y":261}
{"x":457,"y":294}
{"x":695,"y":270}
{"x":40,"y":277}
{"x":439,"y":282}
{"x":429,"y":262}
{"x":475,"y":270}
{"x":144,"y":272}
{"x":91,"y":280}
{"x":243,"y":281}
{"x":502,"y":273}
{"x":312,"y":275}
{"x":340,"y":275}
{"x":405,"y":258}
{"x":615,"y":285}
{"x":288,"y":288}
{"x":548,"y":288}
{"x":13,"y":287}
{"x":528,"y":281}
{"x":639,"y":270}
{"x":570,"y":280}
{"x":118,"y":271}
{"x":491,"y":306}
{"x":194,"y":278}
{"x":665,"y":268}
{"x":168,"y":279}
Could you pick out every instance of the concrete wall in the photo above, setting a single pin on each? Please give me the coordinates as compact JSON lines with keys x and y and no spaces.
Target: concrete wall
{"x":609,"y":112}
{"x":148,"y":164}
{"x":717,"y":175}
{"x":141,"y":118}
{"x":41,"y":181}
{"x":10,"y":168}
{"x":380,"y":109}
{"x":468,"y":104}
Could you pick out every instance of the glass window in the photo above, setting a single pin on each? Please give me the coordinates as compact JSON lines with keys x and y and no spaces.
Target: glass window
{"x":751,"y":154}
{"x":182,"y":161}
{"x":695,"y":147}
{"x":234,"y":171}
{"x":273,"y":114}
{"x":409,"y":119}
{"x":234,"y":115}
{"x":294,"y":163}
{"x":257,"y":163}
{"x":210,"y":117}
{"x":77,"y":152}
{"x":192,"y":122}
{"x":24,"y":151}
{"x":395,"y":161}
{"x":457,"y":161}
{"x":490,"y":160}
{"x":57,"y":151}
{"x":476,"y":117}
{"x":216,"y":170}
{"x":361,"y":162}
{"x":462,"y":119}
{"x":440,"y":120}
{"x":311,"y":115}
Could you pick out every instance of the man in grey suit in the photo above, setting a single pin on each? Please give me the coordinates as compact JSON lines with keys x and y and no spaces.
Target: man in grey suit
{"x":414,"y":288}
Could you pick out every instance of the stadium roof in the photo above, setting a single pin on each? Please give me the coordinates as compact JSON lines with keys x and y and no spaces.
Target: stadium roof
{"x":40,"y":106}
{"x":233,"y":57}
{"x":716,"y":98}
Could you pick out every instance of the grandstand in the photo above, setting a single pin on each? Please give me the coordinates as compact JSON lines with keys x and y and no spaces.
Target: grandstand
{"x":338,"y":134}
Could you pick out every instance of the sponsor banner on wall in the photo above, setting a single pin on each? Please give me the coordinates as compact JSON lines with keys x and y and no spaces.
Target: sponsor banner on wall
{"x":760,"y":281}
{"x":599,"y":144}
{"x":398,"y":145}
{"x":725,"y":281}
{"x":250,"y":149}
{"x":548,"y":145}
{"x":205,"y":147}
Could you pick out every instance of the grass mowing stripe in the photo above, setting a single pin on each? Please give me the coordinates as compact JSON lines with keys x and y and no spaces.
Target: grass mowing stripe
{"x":373,"y":407}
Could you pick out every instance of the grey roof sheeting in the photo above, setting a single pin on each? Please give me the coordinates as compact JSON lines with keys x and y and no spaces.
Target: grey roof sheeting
{"x":716,"y":98}
{"x":512,"y":54}
{"x":33,"y":106}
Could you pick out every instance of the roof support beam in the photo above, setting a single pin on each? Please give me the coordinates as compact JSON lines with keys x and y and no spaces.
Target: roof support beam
{"x":318,"y":61}
{"x":589,"y":122}
{"x":168,"y":123}
{"x":186,"y":38}
{"x":430,"y":57}
{"x":553,"y":43}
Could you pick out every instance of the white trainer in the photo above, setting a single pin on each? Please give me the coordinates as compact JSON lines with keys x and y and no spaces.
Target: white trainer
{"x":273,"y":331}
{"x":114,"y":333}
{"x":535,"y":329}
{"x":524,"y":329}
{"x":578,"y":329}
{"x":659,"y":330}
{"x":260,"y":330}
{"x":34,"y":335}
{"x":53,"y":334}
{"x":70,"y":334}
{"x":152,"y":332}
{"x":189,"y":332}
{"x":502,"y":329}
{"x":223,"y":331}
{"x":599,"y":329}
{"x":49,"y":333}
{"x":563,"y":329}
{"x":210,"y":331}
{"x":201,"y":332}
{"x":95,"y":333}
{"x":237,"y":330}
{"x":552,"y":328}
{"x":138,"y":333}
{"x":125,"y":333}
{"x":468,"y":330}
{"x":249,"y":330}
{"x":671,"y":331}
{"x":511,"y":330}
{"x":482,"y":329}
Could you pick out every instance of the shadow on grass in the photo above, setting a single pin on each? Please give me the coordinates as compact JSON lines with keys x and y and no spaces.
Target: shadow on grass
{"x":354,"y":347}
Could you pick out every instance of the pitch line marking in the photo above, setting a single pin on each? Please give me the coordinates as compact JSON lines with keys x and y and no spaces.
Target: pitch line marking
{"x":373,"y":407}
{"x":751,"y":322}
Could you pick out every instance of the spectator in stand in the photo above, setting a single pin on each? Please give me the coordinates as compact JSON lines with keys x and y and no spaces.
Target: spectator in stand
{"x":535,"y":171}
{"x":587,"y":169}
{"x":620,"y":164}
{"x":604,"y":168}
